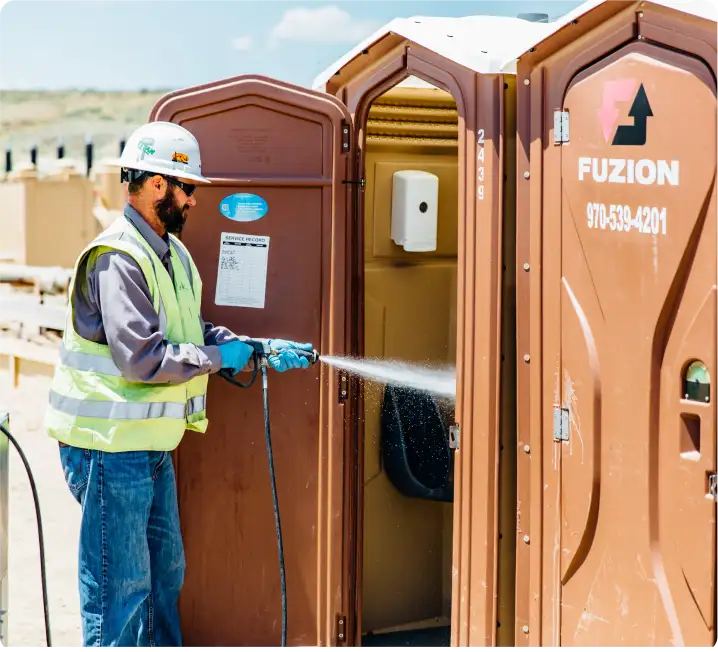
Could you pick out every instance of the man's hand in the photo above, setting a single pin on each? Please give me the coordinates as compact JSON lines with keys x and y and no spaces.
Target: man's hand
{"x":286,"y":358}
{"x":235,"y":355}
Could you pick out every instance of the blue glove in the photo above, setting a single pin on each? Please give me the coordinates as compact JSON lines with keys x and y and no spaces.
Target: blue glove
{"x":286,"y":358}
{"x":235,"y":355}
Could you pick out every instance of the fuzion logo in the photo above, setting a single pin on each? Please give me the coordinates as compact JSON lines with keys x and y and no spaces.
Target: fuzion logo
{"x":626,"y":170}
{"x":643,"y":171}
{"x":621,"y":90}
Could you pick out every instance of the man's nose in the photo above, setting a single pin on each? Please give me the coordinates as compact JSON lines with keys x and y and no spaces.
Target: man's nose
{"x":191,"y":201}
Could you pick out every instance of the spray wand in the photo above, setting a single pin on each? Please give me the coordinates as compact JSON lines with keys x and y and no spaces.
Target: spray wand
{"x":262,"y":350}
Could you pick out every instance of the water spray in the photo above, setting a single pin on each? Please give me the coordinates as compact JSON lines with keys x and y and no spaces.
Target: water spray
{"x":440,"y":381}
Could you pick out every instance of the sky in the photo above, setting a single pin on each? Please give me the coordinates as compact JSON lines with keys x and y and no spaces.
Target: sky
{"x":169,"y":44}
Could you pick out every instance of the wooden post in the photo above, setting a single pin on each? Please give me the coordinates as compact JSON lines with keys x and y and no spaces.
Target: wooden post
{"x":14,"y":364}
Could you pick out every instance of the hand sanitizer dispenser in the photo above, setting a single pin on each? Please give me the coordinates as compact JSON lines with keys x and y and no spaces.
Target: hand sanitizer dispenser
{"x":414,"y":210}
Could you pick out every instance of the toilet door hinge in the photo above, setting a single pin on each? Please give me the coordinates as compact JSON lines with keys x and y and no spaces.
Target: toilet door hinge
{"x":454,"y":434}
{"x":560,"y":423}
{"x":343,"y":387}
{"x":560,"y":127}
{"x":346,"y":136}
{"x":340,"y":629}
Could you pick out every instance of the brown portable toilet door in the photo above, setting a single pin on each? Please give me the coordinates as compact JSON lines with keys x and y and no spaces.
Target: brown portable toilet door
{"x":629,"y":540}
{"x":278,"y":157}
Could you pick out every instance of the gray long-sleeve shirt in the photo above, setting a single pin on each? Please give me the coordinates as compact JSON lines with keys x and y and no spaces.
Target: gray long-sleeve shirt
{"x":113,"y":305}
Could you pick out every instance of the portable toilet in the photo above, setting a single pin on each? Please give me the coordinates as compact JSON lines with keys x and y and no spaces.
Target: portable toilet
{"x":379,"y":209}
{"x":106,"y":179}
{"x":45,"y":220}
{"x":616,"y":328}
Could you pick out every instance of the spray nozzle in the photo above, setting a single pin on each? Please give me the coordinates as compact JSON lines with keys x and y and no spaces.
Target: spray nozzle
{"x":262,"y":348}
{"x":312,"y":356}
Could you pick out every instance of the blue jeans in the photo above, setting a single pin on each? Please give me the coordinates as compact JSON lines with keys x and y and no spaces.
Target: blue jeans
{"x":131,"y":560}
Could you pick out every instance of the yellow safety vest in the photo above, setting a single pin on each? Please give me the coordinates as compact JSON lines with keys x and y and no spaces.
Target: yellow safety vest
{"x":91,"y":405}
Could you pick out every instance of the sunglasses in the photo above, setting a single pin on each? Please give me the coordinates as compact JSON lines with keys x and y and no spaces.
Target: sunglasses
{"x":136,"y":175}
{"x":188,"y":188}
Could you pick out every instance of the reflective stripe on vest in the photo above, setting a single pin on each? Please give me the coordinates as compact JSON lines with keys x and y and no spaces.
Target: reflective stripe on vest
{"x":135,"y":411}
{"x":102,"y":365}
{"x":196,"y":404}
{"x":112,"y":410}
{"x":89,"y":362}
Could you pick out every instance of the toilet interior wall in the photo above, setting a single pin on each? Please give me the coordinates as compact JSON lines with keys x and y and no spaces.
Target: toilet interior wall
{"x":410,"y":314}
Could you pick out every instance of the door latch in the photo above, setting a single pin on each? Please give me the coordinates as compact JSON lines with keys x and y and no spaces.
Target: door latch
{"x":454,"y":433}
{"x":560,"y":423}
{"x":353,"y":182}
{"x":713,"y":486}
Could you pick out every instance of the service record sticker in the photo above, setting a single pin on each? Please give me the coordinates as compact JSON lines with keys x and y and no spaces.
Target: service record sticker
{"x":242,"y":273}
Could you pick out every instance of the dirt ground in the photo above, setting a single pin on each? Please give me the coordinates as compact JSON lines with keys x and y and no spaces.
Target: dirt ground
{"x":60,"y":519}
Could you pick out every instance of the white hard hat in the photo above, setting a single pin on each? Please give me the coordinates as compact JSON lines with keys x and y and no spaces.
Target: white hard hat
{"x":163,"y":148}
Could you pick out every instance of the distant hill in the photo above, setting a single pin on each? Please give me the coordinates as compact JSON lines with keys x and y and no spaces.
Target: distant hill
{"x":41,"y":117}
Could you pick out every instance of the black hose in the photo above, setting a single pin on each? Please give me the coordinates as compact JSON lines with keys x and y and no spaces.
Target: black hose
{"x":227,"y":374}
{"x":43,"y":577}
{"x":273,"y":481}
{"x":275,"y":500}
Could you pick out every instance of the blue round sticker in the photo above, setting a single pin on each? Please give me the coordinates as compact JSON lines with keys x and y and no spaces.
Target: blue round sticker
{"x":243,"y":207}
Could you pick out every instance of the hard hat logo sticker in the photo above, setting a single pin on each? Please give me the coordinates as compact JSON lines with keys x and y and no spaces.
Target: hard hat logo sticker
{"x":179,"y":157}
{"x":243,"y":207}
{"x":146,"y":147}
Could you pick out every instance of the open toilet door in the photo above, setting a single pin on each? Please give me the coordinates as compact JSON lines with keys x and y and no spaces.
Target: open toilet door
{"x":481,"y":560}
{"x":279,"y":158}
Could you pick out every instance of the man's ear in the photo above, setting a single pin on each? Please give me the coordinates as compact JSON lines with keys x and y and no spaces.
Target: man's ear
{"x":157,"y":183}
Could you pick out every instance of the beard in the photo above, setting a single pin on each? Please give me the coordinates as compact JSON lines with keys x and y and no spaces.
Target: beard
{"x":172,"y":215}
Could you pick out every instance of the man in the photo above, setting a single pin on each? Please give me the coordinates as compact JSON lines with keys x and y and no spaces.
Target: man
{"x":132,"y":376}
